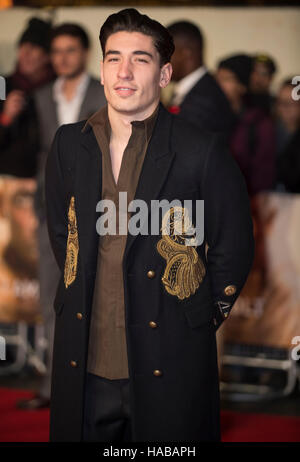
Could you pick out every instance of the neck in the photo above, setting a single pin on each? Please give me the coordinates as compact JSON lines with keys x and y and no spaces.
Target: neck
{"x":121,"y":122}
{"x":37,"y":76}
{"x":70,"y":84}
{"x":236,"y":105}
{"x":192,"y":67}
{"x":72,"y":80}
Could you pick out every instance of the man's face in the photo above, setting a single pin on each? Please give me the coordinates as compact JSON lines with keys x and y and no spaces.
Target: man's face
{"x":68,"y":56}
{"x":229,"y":83}
{"x":287,"y":109}
{"x":260,"y":79}
{"x":178,"y":60}
{"x":131,"y":72}
{"x":31,"y":58}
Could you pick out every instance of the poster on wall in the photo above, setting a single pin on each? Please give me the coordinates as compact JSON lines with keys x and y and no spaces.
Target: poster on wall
{"x":19,"y":288}
{"x":267,"y":312}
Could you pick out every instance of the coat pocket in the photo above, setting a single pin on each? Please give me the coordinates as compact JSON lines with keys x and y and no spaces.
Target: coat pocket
{"x":59,"y":297}
{"x":200,"y":314}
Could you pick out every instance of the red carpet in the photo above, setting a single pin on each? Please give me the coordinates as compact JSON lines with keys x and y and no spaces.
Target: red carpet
{"x":19,"y":425}
{"x":33,"y":426}
{"x":245,"y":427}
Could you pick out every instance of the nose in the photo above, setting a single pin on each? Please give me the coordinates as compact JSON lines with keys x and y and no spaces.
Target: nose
{"x":124,"y":70}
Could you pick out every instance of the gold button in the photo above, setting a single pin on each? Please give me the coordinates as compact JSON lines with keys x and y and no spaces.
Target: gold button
{"x":157,"y":373}
{"x":151,"y":274}
{"x":230,"y":290}
{"x":79,"y":316}
{"x":152,"y":324}
{"x":73,"y":363}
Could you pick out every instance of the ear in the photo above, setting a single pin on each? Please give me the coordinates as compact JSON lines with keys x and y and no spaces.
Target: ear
{"x":165,"y":75}
{"x":101,"y":72}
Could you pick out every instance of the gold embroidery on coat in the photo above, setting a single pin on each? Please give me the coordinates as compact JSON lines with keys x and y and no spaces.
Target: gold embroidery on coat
{"x":72,"y":246}
{"x":184,"y":270}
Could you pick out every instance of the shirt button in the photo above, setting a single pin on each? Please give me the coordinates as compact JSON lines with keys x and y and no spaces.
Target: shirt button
{"x":73,"y":363}
{"x":151,"y":274}
{"x":79,"y":316}
{"x":153,"y":324}
{"x":157,"y":373}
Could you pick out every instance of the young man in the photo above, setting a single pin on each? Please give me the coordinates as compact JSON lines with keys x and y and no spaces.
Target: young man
{"x":136,"y":315}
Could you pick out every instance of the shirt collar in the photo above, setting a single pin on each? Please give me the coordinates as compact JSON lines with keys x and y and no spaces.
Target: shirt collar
{"x":101,"y":117}
{"x":147,"y":124}
{"x":58,"y":84}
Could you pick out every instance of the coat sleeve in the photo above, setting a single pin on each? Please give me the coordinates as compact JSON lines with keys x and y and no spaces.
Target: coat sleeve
{"x":55,"y":197}
{"x":228,"y":228}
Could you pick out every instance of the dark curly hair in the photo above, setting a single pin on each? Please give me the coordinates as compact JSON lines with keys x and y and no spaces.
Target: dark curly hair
{"x":130,"y":20}
{"x":74,"y":30}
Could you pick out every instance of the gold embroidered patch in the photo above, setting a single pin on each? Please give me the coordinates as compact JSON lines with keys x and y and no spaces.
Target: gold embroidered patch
{"x":184,"y":270}
{"x":72,"y":246}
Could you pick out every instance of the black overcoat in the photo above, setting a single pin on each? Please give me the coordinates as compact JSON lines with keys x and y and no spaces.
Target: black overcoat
{"x":171,"y":342}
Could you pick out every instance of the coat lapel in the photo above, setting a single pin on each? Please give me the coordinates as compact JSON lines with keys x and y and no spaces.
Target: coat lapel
{"x":52,"y":117}
{"x":157,"y":162}
{"x":88,"y":186}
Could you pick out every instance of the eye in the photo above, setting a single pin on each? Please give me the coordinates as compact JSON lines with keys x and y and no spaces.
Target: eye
{"x":142,"y":60}
{"x":112,"y":59}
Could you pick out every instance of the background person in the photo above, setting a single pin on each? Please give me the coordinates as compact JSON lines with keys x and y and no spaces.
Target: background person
{"x":19,"y":138}
{"x":197,"y":95}
{"x":252,"y":142}
{"x":261,"y":79}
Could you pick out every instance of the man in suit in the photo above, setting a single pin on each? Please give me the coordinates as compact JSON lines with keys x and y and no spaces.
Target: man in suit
{"x":135,"y":354}
{"x":73,"y":96}
{"x":197,"y":97}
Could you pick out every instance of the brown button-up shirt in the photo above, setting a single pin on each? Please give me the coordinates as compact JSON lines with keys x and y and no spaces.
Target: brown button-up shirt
{"x":107,"y":354}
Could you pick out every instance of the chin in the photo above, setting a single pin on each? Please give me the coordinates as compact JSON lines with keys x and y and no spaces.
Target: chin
{"x":66,"y":72}
{"x":124,"y":106}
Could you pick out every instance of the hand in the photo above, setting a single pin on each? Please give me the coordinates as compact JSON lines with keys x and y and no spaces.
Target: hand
{"x":14,"y":104}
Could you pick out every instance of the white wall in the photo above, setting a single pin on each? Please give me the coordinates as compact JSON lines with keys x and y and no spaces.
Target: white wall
{"x":227,"y":30}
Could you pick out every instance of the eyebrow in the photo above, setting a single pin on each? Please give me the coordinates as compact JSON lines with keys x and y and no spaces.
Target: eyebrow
{"x":136,"y":52}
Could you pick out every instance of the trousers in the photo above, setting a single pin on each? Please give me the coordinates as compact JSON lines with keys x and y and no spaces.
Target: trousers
{"x":106,"y":410}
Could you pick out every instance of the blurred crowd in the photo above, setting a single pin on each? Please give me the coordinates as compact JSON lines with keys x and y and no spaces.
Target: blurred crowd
{"x":51,"y":86}
{"x":235,"y":99}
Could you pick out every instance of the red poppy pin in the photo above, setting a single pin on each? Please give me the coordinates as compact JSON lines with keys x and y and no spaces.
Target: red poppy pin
{"x":174,"y":109}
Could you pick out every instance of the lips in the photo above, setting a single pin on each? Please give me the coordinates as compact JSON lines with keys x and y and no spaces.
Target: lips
{"x":124,"y":91}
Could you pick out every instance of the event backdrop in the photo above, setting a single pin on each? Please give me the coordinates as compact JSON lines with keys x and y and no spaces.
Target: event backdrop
{"x":267,"y":311}
{"x":19,"y":288}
